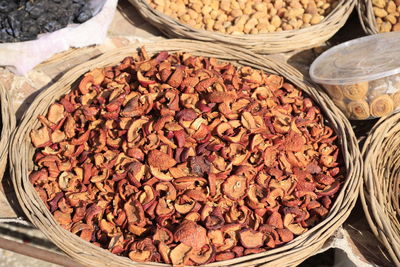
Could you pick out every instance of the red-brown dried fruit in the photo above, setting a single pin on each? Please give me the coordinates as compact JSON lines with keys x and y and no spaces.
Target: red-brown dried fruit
{"x":220,"y":97}
{"x":285,"y":235}
{"x":202,"y":255}
{"x":41,"y":137}
{"x":191,"y":234}
{"x":185,"y":160}
{"x":235,"y":187}
{"x":251,"y":239}
{"x":163,"y":235}
{"x":223,"y":256}
{"x":294,"y":142}
{"x":139,"y":255}
{"x":180,"y":254}
{"x":134,"y":212}
{"x":176,"y":78}
{"x":160,"y":160}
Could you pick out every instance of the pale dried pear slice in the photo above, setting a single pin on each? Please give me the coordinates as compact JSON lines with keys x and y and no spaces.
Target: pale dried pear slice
{"x":334,"y":91}
{"x":396,"y":99}
{"x":382,"y":106}
{"x":356,"y":91}
{"x":358,"y":110}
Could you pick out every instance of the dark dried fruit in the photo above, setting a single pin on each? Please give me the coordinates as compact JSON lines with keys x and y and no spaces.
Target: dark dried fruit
{"x":24,"y":20}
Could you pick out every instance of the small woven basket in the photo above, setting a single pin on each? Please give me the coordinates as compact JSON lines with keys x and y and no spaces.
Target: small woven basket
{"x":8,"y":125}
{"x":380,"y":191}
{"x":288,"y":255}
{"x":267,"y":43}
{"x":367,"y":16}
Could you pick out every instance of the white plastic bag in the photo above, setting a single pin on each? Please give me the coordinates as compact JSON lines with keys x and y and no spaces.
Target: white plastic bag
{"x":21,"y":57}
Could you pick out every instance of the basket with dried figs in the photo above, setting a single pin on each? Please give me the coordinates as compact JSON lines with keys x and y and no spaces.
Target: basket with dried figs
{"x":362,"y":79}
{"x":187,"y":160}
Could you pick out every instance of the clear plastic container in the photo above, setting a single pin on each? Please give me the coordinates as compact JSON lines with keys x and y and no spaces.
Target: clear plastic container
{"x":362,"y":76}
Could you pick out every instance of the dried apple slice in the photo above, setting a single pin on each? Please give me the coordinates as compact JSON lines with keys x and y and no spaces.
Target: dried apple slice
{"x":160,"y":160}
{"x":191,"y":234}
{"x":235,"y":187}
{"x":203,"y":255}
{"x":40,"y":137}
{"x":179,"y":254}
{"x":134,"y":212}
{"x":140,"y":255}
{"x":251,"y":239}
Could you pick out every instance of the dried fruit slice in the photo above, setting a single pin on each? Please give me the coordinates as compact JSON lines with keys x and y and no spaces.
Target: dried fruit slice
{"x":203,"y":255}
{"x":382,"y":106}
{"x":294,"y":141}
{"x":140,"y":255}
{"x":356,"y":91}
{"x":235,"y":187}
{"x":295,"y":228}
{"x":134,"y":212}
{"x":179,"y":254}
{"x":251,"y":239}
{"x":40,"y":137}
{"x":160,"y":160}
{"x":359,"y":109}
{"x":164,"y":251}
{"x":163,"y":235}
{"x":396,"y":98}
{"x":56,"y":113}
{"x":191,"y":234}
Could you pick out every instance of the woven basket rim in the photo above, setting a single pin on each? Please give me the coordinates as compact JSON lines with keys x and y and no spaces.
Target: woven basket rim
{"x":264,"y":43}
{"x":8,"y":125}
{"x":367,"y":16}
{"x":377,"y":194}
{"x":294,"y":252}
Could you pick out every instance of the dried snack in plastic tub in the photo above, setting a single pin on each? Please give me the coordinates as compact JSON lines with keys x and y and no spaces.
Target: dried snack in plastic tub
{"x":382,"y":106}
{"x":356,"y":91}
{"x":362,"y":75}
{"x":358,"y":110}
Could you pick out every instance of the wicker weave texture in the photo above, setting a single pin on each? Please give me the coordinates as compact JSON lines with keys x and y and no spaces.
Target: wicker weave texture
{"x":380,"y":191}
{"x":8,"y":124}
{"x":267,"y":43}
{"x":288,"y":255}
{"x":367,"y":16}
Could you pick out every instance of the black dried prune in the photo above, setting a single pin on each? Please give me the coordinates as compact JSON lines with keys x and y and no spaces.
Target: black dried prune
{"x":52,"y":26}
{"x":7,"y":6}
{"x":30,"y":28}
{"x":84,"y":15}
{"x":15,"y":25}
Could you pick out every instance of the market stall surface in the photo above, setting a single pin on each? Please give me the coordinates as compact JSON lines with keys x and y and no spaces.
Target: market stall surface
{"x":127,"y":27}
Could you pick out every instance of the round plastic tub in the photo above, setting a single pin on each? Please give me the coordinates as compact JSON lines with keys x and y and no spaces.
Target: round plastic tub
{"x":362,"y":76}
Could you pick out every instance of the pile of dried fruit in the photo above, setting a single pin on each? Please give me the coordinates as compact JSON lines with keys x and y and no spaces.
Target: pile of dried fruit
{"x":387,"y":15}
{"x":183,"y":159}
{"x":23,"y":20}
{"x":246,"y":16}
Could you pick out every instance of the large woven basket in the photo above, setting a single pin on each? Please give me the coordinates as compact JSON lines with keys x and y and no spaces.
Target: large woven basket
{"x":288,"y":255}
{"x":8,"y":125}
{"x":367,"y":16}
{"x":266,"y":43}
{"x":380,"y":191}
